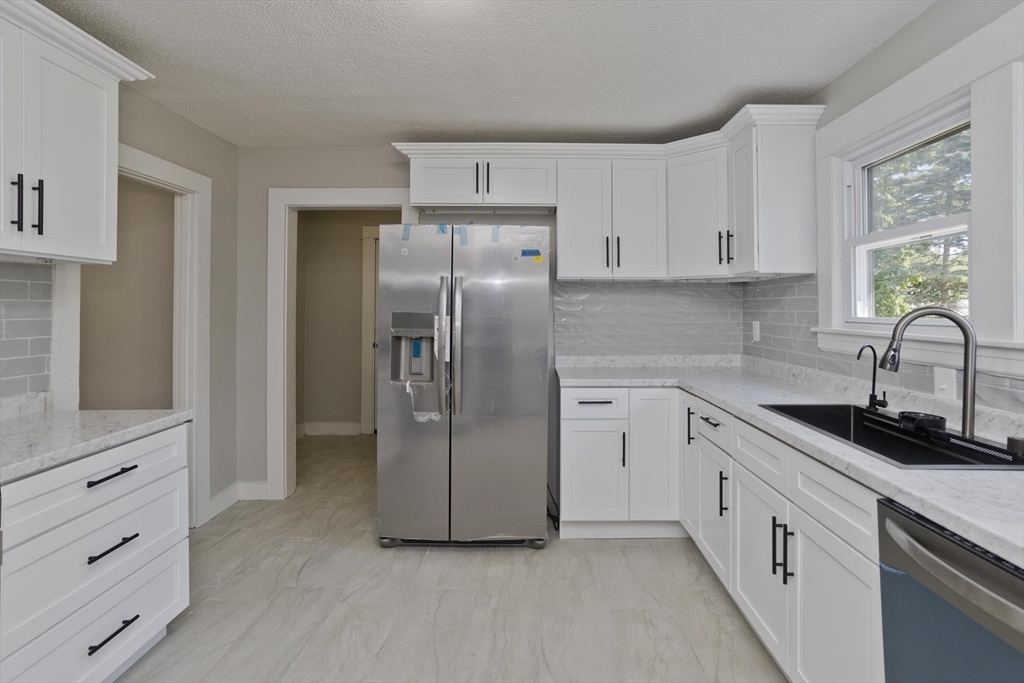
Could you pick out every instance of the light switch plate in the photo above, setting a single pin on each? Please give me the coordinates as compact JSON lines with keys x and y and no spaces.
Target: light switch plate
{"x":945,"y":382}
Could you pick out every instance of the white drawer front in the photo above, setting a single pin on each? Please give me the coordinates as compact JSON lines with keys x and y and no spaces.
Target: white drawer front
{"x":602,"y":404}
{"x":156,"y":593}
{"x":763,"y":455}
{"x":716,"y":425}
{"x":837,"y":502}
{"x":51,"y":576}
{"x":42,"y":502}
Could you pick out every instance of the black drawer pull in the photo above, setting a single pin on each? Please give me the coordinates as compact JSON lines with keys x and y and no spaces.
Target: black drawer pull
{"x":713,"y":423}
{"x":595,"y":403}
{"x":123,"y":470}
{"x":93,"y":649}
{"x":689,"y":431}
{"x":721,"y":495}
{"x":39,"y":188}
{"x":20,"y":220}
{"x":125,"y":540}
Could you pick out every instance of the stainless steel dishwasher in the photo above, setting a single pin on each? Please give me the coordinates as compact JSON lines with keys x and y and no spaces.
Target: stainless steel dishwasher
{"x":951,"y":611}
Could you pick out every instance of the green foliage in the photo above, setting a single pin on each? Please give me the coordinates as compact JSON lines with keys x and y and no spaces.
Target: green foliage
{"x":931,"y":180}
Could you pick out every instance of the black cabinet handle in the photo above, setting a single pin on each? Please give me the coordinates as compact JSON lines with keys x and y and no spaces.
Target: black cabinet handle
{"x":488,"y":177}
{"x":728,"y":246}
{"x":607,"y":252}
{"x":594,"y":403}
{"x":719,"y":247}
{"x":20,"y":220}
{"x":786,"y":533}
{"x":618,"y":252}
{"x":93,"y":649}
{"x":125,"y":540}
{"x":39,"y":188}
{"x":689,"y":427}
{"x":477,"y":190}
{"x":713,"y":423}
{"x":775,"y":542}
{"x":623,"y":449}
{"x":721,"y":493}
{"x":123,"y":470}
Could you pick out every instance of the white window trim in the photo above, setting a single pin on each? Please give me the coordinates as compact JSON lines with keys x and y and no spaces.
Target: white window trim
{"x":981,"y":79}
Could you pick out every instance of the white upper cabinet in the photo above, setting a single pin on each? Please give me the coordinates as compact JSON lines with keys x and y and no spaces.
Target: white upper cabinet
{"x":59,"y":134}
{"x":698,"y":213}
{"x":455,"y":181}
{"x":638,"y":218}
{"x":584,"y":218}
{"x":772,"y":190}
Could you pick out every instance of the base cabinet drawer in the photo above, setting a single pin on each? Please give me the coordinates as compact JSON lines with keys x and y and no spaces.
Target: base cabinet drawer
{"x":603,"y":404}
{"x":58,"y":572}
{"x":94,"y":641}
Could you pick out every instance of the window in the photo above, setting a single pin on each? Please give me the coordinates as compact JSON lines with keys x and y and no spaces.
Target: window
{"x":908,"y":246}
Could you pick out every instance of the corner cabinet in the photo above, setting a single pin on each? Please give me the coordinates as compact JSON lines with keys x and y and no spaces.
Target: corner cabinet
{"x":58,"y":137}
{"x":698,"y":210}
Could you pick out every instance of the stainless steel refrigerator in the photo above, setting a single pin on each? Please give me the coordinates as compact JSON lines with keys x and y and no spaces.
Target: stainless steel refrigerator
{"x":464,"y":374}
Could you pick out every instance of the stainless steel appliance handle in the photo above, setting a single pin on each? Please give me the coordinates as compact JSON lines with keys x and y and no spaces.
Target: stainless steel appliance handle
{"x":994,"y":605}
{"x":442,"y":341}
{"x":457,"y":347}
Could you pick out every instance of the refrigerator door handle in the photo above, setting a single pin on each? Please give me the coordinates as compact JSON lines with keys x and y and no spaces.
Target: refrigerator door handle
{"x":457,"y":347}
{"x":442,"y":344}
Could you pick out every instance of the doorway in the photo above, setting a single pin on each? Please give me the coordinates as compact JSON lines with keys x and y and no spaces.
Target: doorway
{"x":334,"y":316}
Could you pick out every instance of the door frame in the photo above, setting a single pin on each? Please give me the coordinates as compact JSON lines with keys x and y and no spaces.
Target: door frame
{"x":368,"y":389}
{"x":193,"y":201}
{"x":284,"y":204}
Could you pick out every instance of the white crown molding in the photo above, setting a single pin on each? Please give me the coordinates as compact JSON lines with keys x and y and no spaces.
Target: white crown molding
{"x":772,"y":115}
{"x":700,"y":143}
{"x":36,"y":19}
{"x":534,"y":150}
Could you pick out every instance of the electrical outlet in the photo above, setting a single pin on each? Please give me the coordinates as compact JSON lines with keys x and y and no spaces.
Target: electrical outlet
{"x":757,"y":330}
{"x":945,"y":382}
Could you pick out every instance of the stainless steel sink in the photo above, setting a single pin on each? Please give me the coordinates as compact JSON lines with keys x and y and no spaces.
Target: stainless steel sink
{"x":880,"y":434}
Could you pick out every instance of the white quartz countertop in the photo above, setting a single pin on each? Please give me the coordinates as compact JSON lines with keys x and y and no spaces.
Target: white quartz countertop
{"x":33,"y":443}
{"x":984,"y":506}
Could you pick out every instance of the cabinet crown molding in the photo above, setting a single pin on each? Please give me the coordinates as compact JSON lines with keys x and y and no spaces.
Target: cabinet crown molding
{"x":36,"y":19}
{"x":532,"y":150}
{"x":772,"y":114}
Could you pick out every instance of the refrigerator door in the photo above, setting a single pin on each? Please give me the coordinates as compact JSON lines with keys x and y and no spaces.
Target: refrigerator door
{"x":501,"y":319}
{"x":413,"y":427}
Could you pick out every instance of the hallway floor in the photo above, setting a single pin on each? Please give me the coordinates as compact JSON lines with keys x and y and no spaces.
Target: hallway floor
{"x":299,"y":590}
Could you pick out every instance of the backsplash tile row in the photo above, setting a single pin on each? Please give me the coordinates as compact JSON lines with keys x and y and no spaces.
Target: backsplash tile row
{"x":26,"y":326}
{"x":647,"y":318}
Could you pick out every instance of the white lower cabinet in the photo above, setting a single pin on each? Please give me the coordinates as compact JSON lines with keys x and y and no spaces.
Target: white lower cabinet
{"x":653,"y":454}
{"x":595,"y":478}
{"x":714,"y":529}
{"x":689,"y":467}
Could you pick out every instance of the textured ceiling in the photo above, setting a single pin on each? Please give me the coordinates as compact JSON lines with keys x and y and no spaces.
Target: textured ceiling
{"x":308,"y":73}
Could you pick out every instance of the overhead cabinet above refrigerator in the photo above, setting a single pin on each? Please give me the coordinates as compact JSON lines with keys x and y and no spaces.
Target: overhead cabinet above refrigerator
{"x":454,"y":181}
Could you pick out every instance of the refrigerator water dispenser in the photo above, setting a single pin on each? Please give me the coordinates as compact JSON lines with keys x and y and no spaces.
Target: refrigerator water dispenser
{"x":412,"y":347}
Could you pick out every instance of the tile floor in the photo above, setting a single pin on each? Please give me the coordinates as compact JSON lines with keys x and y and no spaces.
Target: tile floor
{"x":299,"y":590}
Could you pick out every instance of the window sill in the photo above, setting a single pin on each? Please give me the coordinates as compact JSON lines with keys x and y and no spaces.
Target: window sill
{"x":1005,"y":359}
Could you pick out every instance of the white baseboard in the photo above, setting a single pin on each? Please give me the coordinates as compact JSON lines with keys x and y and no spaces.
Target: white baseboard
{"x":300,"y":430}
{"x":223,"y":500}
{"x":331,"y":428}
{"x":253,"y":490}
{"x":621,"y":530}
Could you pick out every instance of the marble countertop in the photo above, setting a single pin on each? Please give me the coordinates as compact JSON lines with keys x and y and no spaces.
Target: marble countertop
{"x":34,"y":443}
{"x":986,"y":507}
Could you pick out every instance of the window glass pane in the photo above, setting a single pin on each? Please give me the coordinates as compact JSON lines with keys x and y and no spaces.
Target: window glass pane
{"x":933,"y":179}
{"x":925,"y":273}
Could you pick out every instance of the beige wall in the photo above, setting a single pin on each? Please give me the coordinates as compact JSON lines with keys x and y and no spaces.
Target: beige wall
{"x":127,"y":314}
{"x":329,"y":353}
{"x":934,"y":31}
{"x":153,"y":128}
{"x":259,"y":169}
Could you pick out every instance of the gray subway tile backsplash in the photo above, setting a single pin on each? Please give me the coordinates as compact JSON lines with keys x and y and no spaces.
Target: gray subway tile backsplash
{"x":26,"y":328}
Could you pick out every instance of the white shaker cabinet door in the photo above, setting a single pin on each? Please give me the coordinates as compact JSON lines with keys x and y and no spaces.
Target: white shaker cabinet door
{"x":714,"y":529}
{"x":654,"y":454}
{"x":584,"y":218}
{"x":741,"y":239}
{"x":70,"y":128}
{"x":594,"y":474}
{"x":759,"y":586}
{"x":445,"y":181}
{"x":834,"y":607}
{"x":689,"y":469}
{"x":698,"y":214}
{"x":12,"y":139}
{"x":639,"y":218}
{"x":519,"y":181}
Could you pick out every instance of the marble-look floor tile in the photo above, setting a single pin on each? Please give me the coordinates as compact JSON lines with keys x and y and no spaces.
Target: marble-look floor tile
{"x":578,"y":642}
{"x":427,"y":639}
{"x":503,"y":645}
{"x":653,"y":646}
{"x":681,"y":564}
{"x":212,"y":560}
{"x":728,"y":649}
{"x":196,"y":596}
{"x":339,"y":558}
{"x":445,"y":567}
{"x":279,"y":514}
{"x":630,"y":577}
{"x":268,"y":648}
{"x":384,"y":576}
{"x":273,"y":567}
{"x":230,"y":519}
{"x":345,"y":646}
